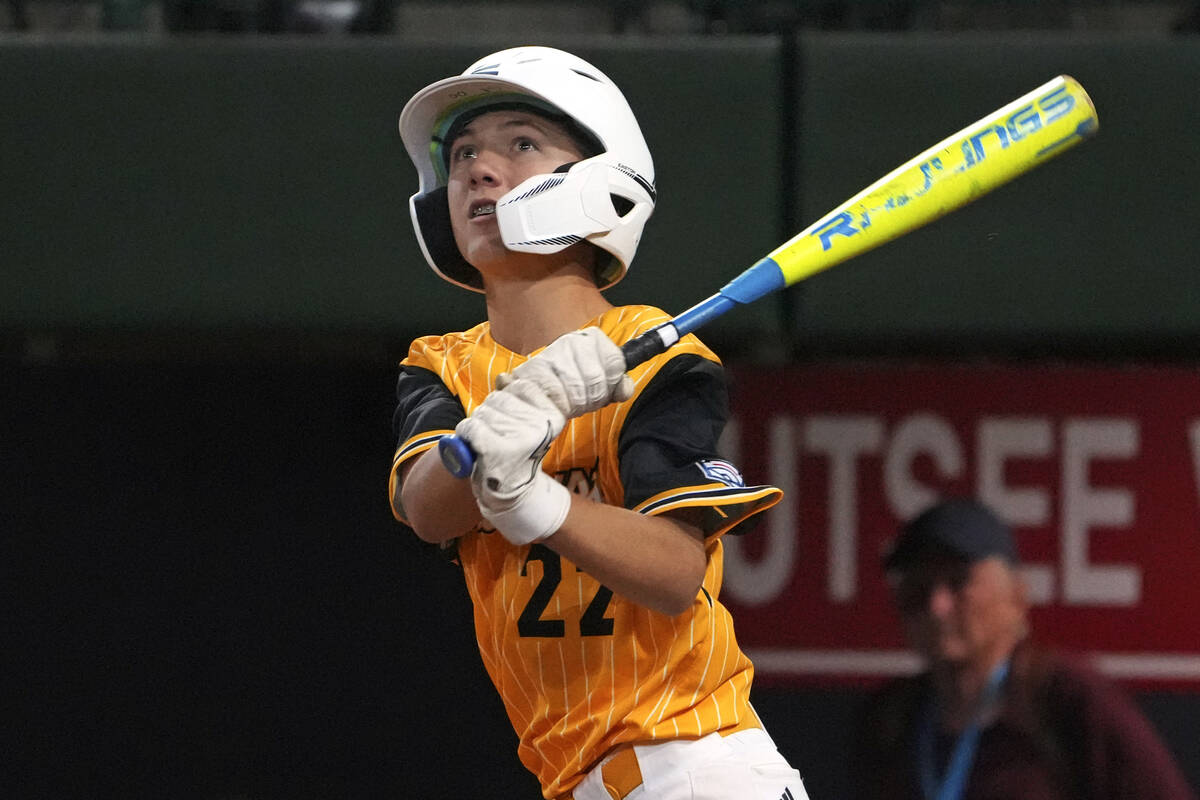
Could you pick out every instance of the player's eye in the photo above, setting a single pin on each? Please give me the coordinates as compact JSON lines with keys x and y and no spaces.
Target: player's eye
{"x":463,"y":151}
{"x":525,"y":144}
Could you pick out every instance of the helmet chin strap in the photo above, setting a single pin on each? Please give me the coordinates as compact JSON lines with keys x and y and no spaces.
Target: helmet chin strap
{"x":548,"y":213}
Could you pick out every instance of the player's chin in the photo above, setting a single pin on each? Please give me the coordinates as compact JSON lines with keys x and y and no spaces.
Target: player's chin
{"x":482,"y":243}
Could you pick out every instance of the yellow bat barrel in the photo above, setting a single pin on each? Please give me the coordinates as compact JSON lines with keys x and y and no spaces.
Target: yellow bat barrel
{"x":969,"y":164}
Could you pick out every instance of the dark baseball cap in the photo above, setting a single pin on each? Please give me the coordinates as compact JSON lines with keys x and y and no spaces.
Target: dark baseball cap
{"x":959,"y":528}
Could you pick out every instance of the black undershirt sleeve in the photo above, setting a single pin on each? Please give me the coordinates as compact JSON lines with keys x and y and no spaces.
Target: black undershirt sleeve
{"x":423,"y":403}
{"x":674,"y":423}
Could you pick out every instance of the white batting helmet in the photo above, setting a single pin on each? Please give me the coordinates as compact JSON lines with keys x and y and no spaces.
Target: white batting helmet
{"x":606,"y":198}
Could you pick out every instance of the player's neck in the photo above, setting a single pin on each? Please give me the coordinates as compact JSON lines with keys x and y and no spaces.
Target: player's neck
{"x":526,"y":315}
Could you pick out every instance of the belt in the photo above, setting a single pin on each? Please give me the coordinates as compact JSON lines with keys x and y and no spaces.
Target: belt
{"x":621,"y":774}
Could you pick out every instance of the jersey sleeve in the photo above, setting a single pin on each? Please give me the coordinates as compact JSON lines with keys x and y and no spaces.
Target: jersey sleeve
{"x":426,"y":410}
{"x":668,"y":450}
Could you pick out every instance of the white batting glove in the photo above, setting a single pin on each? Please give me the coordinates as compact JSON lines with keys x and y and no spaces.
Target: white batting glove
{"x":579,"y":371}
{"x":510,"y":433}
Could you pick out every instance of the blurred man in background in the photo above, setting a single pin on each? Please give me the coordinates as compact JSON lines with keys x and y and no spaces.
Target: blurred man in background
{"x":994,"y":716}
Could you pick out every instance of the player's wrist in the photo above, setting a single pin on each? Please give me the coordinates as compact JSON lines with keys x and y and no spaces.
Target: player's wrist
{"x":534,"y":514}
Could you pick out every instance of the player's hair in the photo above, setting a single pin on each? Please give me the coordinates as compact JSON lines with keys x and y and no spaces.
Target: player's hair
{"x":615,"y":179}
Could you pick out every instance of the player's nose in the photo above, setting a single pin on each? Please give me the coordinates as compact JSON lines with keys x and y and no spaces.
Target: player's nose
{"x":486,"y":169}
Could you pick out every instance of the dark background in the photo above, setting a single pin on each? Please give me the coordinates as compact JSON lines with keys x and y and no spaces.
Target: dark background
{"x":209,"y":279}
{"x":209,"y":599}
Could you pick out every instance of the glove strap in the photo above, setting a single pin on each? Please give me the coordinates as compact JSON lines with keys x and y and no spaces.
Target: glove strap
{"x":534,"y":514}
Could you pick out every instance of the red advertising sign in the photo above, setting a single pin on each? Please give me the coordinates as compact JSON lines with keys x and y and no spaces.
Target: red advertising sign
{"x":1097,"y":470}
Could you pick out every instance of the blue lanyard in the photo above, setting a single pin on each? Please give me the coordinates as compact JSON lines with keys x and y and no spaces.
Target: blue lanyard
{"x":954,"y":782}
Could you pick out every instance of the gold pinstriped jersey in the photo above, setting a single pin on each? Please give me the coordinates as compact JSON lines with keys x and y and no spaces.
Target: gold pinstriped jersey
{"x":580,"y":669}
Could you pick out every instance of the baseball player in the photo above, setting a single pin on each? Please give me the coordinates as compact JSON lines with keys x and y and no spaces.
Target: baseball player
{"x":589,"y":531}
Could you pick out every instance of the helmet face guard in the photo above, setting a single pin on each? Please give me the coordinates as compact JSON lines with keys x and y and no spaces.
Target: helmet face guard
{"x":605,"y":199}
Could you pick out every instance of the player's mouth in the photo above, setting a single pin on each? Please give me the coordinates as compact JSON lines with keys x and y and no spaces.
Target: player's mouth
{"x":482,"y":209}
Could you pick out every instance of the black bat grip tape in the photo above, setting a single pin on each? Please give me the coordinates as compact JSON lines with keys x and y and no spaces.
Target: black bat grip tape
{"x":642,"y":349}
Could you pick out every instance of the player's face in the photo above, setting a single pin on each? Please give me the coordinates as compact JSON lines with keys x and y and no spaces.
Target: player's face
{"x":495,"y":153}
{"x":958,"y":613}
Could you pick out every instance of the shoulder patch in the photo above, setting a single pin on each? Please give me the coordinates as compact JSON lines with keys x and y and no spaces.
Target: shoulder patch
{"x":721,"y":471}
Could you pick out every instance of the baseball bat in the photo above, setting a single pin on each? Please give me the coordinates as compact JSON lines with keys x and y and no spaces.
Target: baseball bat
{"x":962,"y":167}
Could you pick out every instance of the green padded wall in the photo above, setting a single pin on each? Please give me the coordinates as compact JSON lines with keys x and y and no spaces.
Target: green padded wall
{"x":214,"y":183}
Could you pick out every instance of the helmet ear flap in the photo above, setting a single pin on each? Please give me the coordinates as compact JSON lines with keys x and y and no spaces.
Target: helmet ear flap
{"x":431,"y":216}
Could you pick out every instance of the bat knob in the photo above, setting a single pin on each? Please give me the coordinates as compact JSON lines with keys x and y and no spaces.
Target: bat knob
{"x":457,"y":456}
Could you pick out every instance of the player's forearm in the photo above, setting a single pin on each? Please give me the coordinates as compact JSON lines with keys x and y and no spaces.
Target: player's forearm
{"x":437,"y":505}
{"x":657,"y":562}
